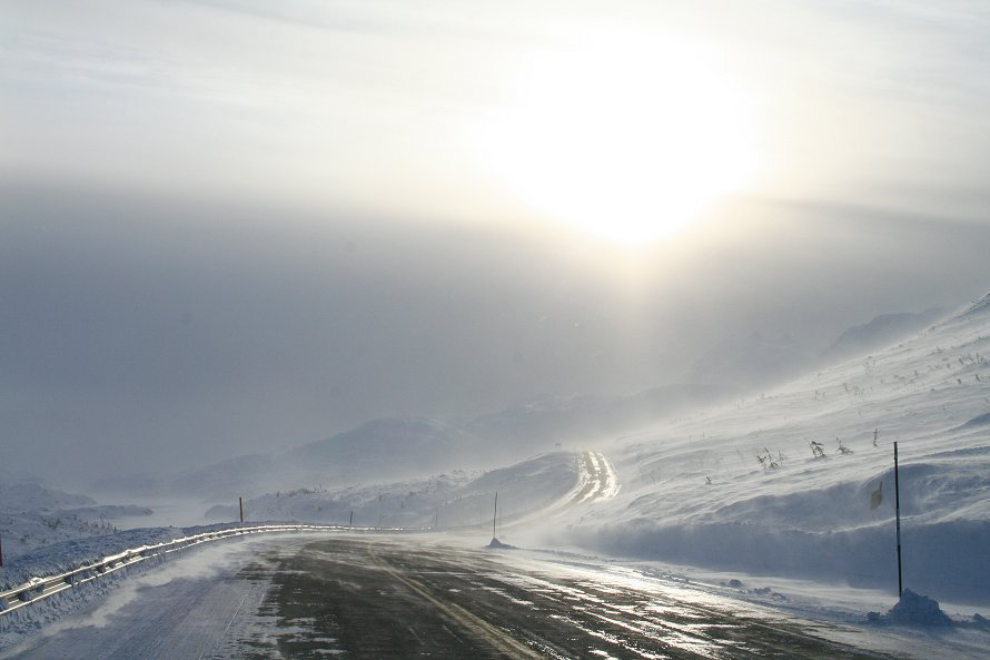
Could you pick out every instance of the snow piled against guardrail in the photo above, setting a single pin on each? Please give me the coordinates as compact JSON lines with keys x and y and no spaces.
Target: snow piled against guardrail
{"x":71,"y":555}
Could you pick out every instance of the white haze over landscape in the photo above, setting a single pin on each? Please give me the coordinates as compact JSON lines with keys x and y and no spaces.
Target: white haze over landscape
{"x":388,"y":259}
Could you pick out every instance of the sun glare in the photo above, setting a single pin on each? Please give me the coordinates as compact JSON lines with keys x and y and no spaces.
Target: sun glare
{"x":623,"y":136}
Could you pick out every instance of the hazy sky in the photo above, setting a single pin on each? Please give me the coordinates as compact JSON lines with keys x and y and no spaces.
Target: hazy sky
{"x":232,"y":224}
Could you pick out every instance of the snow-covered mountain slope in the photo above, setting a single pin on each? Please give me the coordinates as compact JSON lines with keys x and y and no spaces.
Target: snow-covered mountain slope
{"x":33,"y":515}
{"x":880,"y":332}
{"x":21,"y":492}
{"x":379,"y":450}
{"x":449,"y":500}
{"x":751,"y":361}
{"x":403,"y":448}
{"x":793,"y":514}
{"x":540,"y":424}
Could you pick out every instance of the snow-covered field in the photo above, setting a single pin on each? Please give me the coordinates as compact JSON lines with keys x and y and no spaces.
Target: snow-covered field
{"x":738,"y":489}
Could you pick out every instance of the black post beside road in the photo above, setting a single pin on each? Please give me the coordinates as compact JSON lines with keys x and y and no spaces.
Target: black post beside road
{"x":1,"y":551}
{"x":897,"y":510}
{"x":351,"y":523}
{"x":240,"y":502}
{"x":495,"y":515}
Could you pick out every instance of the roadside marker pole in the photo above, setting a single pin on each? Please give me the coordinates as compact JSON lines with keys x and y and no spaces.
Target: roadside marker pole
{"x":495,"y":515}
{"x":1,"y":551}
{"x":240,"y":502}
{"x":897,"y":509}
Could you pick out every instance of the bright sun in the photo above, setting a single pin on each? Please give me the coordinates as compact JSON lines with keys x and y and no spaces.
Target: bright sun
{"x":623,"y":136}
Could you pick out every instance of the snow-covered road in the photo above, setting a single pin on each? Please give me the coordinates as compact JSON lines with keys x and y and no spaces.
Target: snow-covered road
{"x":417,"y":596}
{"x":598,"y":480}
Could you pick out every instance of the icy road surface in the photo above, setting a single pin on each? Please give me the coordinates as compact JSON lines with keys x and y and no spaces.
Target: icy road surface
{"x":414,"y":597}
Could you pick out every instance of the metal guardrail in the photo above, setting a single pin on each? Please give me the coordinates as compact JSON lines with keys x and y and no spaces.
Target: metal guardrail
{"x":39,"y":588}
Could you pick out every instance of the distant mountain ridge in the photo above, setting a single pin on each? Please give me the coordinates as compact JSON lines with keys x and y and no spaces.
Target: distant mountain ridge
{"x":757,"y":360}
{"x":23,"y":492}
{"x":878,"y":333}
{"x":751,"y":361}
{"x":403,"y":447}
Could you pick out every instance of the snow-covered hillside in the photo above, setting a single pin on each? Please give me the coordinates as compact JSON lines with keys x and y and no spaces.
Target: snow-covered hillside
{"x":33,"y":515}
{"x":410,"y":448}
{"x":771,"y":507}
{"x":879,"y":333}
{"x":380,"y":450}
{"x":448,"y":500}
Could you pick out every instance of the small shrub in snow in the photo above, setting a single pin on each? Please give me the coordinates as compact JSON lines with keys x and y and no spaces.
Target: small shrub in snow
{"x":842,"y":448}
{"x":876,"y":497}
{"x":817,"y":449}
{"x":766,"y":460}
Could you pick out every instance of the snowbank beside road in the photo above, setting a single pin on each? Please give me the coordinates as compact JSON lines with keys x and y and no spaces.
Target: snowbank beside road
{"x":69,"y":555}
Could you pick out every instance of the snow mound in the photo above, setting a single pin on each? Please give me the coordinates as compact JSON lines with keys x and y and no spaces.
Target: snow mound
{"x":495,"y":544}
{"x":917,"y":610}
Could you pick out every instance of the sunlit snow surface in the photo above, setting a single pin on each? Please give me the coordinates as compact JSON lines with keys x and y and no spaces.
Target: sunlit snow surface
{"x":811,"y":518}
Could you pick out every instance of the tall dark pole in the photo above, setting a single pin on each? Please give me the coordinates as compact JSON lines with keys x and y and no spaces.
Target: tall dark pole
{"x":897,"y":509}
{"x":240,"y":503}
{"x":495,"y":516}
{"x":351,"y":523}
{"x":1,"y":551}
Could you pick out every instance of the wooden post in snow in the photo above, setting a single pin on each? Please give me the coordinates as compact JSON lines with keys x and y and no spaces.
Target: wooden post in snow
{"x":240,"y":503}
{"x":495,"y":515}
{"x":897,"y":510}
{"x":351,"y":523}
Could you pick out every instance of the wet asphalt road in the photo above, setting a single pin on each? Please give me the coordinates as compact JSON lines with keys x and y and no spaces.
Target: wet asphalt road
{"x":377,"y":599}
